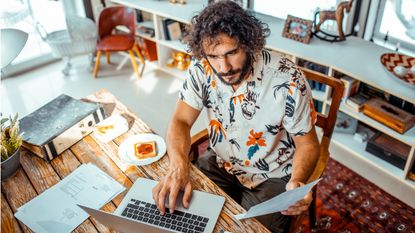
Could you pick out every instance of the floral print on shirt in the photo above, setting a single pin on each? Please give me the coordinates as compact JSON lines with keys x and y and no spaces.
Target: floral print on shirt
{"x":252,"y":129}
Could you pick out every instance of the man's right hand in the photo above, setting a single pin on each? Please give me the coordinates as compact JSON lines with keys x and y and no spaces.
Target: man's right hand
{"x":177,"y":179}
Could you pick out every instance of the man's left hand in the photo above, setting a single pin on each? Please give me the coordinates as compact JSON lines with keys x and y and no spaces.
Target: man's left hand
{"x":301,"y":205}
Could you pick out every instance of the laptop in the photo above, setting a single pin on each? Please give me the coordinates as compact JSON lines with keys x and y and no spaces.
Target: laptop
{"x":138,"y":213}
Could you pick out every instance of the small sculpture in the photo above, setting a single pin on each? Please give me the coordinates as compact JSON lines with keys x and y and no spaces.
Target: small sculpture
{"x":178,"y":1}
{"x":180,"y":61}
{"x":336,"y":15}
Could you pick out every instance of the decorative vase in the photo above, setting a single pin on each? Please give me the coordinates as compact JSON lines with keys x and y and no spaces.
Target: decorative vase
{"x":10,"y":165}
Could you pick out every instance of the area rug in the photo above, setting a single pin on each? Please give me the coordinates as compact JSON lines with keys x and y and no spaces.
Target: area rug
{"x":346,"y":202}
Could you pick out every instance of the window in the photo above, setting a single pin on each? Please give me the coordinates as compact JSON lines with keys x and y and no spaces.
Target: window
{"x":395,"y":24}
{"x":26,"y":15}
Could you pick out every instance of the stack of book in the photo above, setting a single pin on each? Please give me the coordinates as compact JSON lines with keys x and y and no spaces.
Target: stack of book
{"x":356,"y":102}
{"x":351,"y":86}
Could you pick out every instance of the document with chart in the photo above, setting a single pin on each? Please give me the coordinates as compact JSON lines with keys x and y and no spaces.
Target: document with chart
{"x":55,"y":209}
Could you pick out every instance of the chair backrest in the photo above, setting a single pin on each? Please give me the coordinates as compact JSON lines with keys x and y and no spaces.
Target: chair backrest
{"x":111,"y":17}
{"x":81,"y":28}
{"x":325,"y":122}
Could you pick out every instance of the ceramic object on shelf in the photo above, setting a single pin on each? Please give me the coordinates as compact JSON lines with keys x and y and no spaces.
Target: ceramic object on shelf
{"x":400,"y":71}
{"x":400,"y":66}
{"x":412,"y":70}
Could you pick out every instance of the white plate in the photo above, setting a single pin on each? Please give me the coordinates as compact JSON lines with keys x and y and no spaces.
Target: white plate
{"x":126,"y":150}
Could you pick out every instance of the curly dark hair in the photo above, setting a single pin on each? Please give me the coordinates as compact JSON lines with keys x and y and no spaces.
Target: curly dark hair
{"x":229,"y":18}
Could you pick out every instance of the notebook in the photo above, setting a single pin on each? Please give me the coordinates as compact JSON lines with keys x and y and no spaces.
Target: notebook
{"x":138,"y":213}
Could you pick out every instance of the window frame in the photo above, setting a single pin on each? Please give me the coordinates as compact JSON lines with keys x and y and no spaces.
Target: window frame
{"x":378,"y":36}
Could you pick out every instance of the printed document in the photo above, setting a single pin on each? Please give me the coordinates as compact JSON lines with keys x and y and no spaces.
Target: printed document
{"x":278,"y":203}
{"x":55,"y":209}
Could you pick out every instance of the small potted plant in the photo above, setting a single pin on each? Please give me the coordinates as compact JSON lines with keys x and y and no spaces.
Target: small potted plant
{"x":11,"y":140}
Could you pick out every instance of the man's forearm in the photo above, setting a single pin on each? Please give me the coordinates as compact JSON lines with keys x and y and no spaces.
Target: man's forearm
{"x":178,"y":146}
{"x":304,"y":161}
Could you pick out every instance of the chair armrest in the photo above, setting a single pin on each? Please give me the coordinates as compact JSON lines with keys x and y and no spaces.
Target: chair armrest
{"x":196,"y":141}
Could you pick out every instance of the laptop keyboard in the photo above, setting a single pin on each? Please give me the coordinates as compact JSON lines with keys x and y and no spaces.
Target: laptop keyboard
{"x":178,"y":221}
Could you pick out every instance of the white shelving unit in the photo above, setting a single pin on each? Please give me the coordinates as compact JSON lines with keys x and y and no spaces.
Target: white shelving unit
{"x":355,"y":57}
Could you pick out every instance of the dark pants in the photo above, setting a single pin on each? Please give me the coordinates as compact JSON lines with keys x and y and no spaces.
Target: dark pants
{"x":246,"y":197}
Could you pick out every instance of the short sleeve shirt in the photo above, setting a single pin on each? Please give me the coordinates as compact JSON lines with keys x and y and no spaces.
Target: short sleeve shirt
{"x":252,"y":129}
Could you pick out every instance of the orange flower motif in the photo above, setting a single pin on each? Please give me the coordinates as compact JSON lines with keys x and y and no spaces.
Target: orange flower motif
{"x":255,"y":139}
{"x":247,"y":162}
{"x":238,"y":98}
{"x":207,"y":68}
{"x":289,"y":89}
{"x":226,"y":165}
{"x":213,"y":84}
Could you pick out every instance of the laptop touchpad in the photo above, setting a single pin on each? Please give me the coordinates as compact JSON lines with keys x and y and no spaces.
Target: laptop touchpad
{"x":179,"y":201}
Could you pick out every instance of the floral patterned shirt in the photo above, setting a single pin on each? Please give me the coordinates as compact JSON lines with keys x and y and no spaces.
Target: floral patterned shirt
{"x":252,"y":129}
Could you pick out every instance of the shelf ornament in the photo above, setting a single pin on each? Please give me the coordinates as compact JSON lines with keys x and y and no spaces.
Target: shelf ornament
{"x":336,"y":15}
{"x":178,"y":1}
{"x":180,"y":61}
{"x":298,"y":29}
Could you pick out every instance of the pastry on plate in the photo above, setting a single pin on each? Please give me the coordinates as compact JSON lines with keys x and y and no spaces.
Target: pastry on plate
{"x":144,"y":150}
{"x":104,"y":128}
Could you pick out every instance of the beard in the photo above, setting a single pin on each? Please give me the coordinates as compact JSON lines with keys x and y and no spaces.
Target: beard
{"x":246,"y":68}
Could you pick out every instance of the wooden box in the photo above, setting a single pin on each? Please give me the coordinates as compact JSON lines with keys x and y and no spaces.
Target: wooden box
{"x":389,"y":115}
{"x":389,"y":149}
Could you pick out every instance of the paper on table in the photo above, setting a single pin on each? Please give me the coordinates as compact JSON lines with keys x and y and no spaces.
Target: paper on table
{"x":278,"y":203}
{"x":110,"y":128}
{"x":55,"y":209}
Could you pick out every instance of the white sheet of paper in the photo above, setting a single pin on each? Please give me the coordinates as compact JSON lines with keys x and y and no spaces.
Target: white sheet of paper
{"x":116,"y":124}
{"x":55,"y":209}
{"x":278,"y":203}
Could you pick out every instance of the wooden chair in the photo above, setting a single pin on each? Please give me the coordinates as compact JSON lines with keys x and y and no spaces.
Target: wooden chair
{"x":325,"y":122}
{"x":110,"y":40}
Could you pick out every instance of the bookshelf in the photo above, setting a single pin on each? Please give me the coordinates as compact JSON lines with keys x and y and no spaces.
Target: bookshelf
{"x":356,"y":58}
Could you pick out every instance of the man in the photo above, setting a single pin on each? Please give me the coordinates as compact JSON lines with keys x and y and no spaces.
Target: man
{"x":261,"y":116}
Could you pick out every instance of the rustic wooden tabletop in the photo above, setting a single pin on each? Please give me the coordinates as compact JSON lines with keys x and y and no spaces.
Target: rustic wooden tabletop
{"x":36,"y":175}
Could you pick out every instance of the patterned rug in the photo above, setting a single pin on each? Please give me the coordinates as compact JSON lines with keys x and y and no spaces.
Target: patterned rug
{"x":346,"y":202}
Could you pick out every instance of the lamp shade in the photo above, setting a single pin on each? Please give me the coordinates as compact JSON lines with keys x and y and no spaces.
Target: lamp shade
{"x":12,"y":42}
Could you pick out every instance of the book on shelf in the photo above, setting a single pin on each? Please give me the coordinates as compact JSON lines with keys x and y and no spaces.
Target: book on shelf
{"x":174,"y":31}
{"x":356,"y":102}
{"x":171,"y":29}
{"x":59,"y":124}
{"x":313,"y":66}
{"x":371,"y":91}
{"x":351,"y":86}
{"x":318,"y":105}
{"x":402,"y":104}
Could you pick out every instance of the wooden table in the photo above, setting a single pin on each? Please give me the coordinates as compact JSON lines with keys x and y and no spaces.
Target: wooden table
{"x":35,"y":176}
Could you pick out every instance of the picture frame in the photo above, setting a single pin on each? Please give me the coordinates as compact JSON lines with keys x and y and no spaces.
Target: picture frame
{"x":298,"y":29}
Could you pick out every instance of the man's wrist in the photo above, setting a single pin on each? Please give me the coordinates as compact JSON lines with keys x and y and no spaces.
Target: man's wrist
{"x":182,"y":165}
{"x":296,"y":180}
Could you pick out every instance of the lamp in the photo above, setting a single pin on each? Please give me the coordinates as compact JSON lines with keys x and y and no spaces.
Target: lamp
{"x":12,"y":42}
